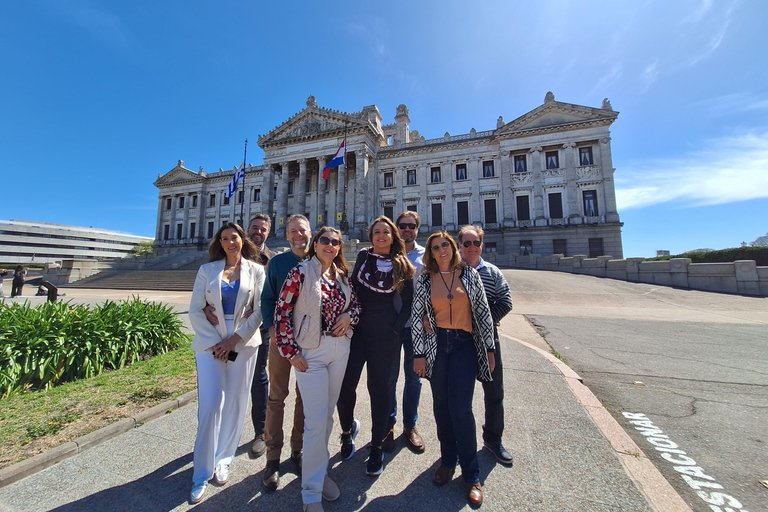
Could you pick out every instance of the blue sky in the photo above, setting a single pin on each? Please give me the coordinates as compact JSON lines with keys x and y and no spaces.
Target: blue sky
{"x":99,"y":97}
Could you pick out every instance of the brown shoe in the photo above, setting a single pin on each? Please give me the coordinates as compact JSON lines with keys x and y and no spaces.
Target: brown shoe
{"x":415,"y":442}
{"x":443,"y":475}
{"x":271,"y":477}
{"x":475,"y":494}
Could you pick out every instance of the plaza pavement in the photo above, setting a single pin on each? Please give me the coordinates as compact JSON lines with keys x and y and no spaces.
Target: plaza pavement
{"x":570,"y":454}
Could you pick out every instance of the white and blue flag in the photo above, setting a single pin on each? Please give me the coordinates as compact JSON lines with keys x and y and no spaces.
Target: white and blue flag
{"x":240,"y":174}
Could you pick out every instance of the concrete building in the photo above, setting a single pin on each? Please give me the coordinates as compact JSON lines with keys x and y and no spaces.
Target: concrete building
{"x":40,"y":242}
{"x":542,"y":183}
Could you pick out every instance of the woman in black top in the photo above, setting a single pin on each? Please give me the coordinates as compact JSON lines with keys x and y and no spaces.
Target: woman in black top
{"x":382,"y":278}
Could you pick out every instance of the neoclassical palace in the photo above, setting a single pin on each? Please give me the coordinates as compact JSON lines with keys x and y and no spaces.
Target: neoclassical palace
{"x":540,"y":184}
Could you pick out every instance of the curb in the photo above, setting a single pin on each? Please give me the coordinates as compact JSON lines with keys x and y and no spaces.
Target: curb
{"x":59,"y":453}
{"x":648,"y":479}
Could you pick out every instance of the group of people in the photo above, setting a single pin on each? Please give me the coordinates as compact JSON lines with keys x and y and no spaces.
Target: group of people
{"x":256,"y":315}
{"x":19,"y":277}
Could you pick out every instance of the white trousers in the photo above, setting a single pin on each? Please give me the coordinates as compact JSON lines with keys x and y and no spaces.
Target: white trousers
{"x":223,"y":390}
{"x":320,"y":386}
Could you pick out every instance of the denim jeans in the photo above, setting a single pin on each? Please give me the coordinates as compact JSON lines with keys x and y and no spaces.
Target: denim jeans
{"x":453,"y":383}
{"x":411,"y":386}
{"x":494,"y":403}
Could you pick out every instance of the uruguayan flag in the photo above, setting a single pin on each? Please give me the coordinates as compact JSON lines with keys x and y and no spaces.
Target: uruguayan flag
{"x":337,"y":160}
{"x":240,"y":174}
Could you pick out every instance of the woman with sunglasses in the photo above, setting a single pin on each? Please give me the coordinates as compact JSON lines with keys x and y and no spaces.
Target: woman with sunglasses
{"x":382,"y":278}
{"x":314,"y":316}
{"x":458,"y":350}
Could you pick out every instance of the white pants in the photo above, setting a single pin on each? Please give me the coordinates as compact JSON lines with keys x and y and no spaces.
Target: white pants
{"x":320,"y":386}
{"x":223,"y":390}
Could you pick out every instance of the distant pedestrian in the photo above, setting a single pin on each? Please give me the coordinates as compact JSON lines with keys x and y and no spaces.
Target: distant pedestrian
{"x":18,"y":281}
{"x":3,"y":273}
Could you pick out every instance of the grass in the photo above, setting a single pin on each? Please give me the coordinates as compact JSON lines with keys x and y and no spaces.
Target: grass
{"x":35,"y":421}
{"x":559,"y":356}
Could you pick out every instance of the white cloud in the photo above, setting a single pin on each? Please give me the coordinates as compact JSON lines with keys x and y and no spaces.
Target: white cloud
{"x":728,"y":170}
{"x":649,"y":75}
{"x":607,"y":79}
{"x":95,"y":19}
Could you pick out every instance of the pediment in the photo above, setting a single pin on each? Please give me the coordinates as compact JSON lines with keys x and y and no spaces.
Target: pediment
{"x":555,"y":113}
{"x":311,"y":122}
{"x":178,"y":174}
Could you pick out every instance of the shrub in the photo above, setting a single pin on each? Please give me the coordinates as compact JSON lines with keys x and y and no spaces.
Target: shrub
{"x":58,"y":342}
{"x":759,"y":254}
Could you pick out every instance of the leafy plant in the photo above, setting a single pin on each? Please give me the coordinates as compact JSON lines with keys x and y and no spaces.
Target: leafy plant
{"x":58,"y":342}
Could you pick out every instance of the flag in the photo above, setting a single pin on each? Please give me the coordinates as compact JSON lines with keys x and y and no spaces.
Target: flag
{"x":240,"y":174}
{"x":337,"y":160}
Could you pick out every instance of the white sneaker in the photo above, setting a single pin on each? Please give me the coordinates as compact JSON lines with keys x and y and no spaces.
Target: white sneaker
{"x":221,"y":474}
{"x":314,"y":507}
{"x":331,"y":491}
{"x":198,"y":491}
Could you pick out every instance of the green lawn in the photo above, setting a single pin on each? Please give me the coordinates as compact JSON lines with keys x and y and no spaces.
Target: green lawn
{"x":35,"y":421}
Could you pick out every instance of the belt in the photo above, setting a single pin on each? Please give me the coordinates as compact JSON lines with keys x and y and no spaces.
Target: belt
{"x":326,"y":333}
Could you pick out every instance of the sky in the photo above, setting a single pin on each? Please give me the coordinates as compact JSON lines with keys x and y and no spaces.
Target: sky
{"x":97,"y":97}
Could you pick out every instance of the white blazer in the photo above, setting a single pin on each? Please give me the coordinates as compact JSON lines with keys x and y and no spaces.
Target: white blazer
{"x":207,"y":290}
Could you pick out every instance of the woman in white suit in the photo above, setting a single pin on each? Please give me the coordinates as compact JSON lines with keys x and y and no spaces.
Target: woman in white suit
{"x":225,"y":354}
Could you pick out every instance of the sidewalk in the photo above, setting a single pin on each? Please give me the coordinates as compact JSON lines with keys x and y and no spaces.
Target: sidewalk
{"x":569,"y":455}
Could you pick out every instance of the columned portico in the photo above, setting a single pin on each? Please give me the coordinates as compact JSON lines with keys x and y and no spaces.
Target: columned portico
{"x":282,"y":200}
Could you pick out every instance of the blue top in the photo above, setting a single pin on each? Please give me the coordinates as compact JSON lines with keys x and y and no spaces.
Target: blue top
{"x":229,"y":296}
{"x":277,"y":271}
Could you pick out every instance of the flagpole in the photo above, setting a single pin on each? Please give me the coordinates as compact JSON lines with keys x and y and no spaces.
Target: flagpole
{"x":346,"y":199}
{"x":242,"y":205}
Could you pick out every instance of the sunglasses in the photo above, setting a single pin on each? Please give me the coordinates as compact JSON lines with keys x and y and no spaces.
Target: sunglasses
{"x":406,"y":226}
{"x":443,"y":245}
{"x":476,"y":243}
{"x":324,"y":240}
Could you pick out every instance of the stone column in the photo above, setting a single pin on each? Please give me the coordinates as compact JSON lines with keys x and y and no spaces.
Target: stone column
{"x":506,"y":164}
{"x":267,"y":184}
{"x":330,"y":198}
{"x":537,"y":175}
{"x":606,"y":166}
{"x":160,"y":206}
{"x":474,"y":171}
{"x":282,"y":199}
{"x":321,"y":161}
{"x":302,"y":188}
{"x":571,"y":187}
{"x":361,"y":191}
{"x":371,"y":207}
{"x":174,"y":205}
{"x":341,"y":193}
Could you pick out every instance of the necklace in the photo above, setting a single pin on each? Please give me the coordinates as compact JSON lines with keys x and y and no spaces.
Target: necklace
{"x":232,"y":270}
{"x":450,"y":294}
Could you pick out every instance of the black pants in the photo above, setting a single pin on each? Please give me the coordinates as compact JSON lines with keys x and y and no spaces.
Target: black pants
{"x":260,"y":387}
{"x":16,"y":287}
{"x":376,"y":344}
{"x":494,"y":403}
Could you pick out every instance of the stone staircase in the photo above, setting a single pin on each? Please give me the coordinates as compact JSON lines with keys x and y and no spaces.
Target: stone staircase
{"x":171,"y":280}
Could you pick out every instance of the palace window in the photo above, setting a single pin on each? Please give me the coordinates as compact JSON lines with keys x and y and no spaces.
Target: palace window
{"x":462,"y":213}
{"x":556,"y":205}
{"x":523,"y":208}
{"x":560,"y":246}
{"x":437,"y":214}
{"x":436,"y":178}
{"x":166,"y":232}
{"x":389,"y":180}
{"x":461,"y":172}
{"x":274,"y":193}
{"x":488,"y":171}
{"x":240,"y":196}
{"x":168,"y":203}
{"x":585,"y":156}
{"x":226,"y":199}
{"x":192,"y":227}
{"x":553,"y":161}
{"x":526,"y":247}
{"x":257,"y":194}
{"x":590,"y":203}
{"x":290,"y":188}
{"x":389,"y":212}
{"x":520,"y":164}
{"x":412,"y":176}
{"x":411,"y":208}
{"x":194,"y":201}
{"x":308,"y":187}
{"x":490,"y":211}
{"x":181,"y":202}
{"x":212,"y":200}
{"x":595,"y":247}
{"x":179,"y":227}
{"x":210,"y":230}
{"x":489,"y":246}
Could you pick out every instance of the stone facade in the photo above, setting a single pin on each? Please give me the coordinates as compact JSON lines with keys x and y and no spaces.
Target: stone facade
{"x":541,"y":184}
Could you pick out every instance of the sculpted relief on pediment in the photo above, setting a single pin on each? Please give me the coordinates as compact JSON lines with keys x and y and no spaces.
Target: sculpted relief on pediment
{"x":310,"y":126}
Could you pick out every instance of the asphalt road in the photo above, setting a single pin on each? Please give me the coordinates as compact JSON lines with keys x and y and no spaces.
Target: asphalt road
{"x":684,"y":372}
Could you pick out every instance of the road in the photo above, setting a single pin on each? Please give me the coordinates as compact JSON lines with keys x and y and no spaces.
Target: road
{"x":684,"y":372}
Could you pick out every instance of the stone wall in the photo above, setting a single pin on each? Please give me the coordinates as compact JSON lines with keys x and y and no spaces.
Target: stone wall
{"x":742,"y":277}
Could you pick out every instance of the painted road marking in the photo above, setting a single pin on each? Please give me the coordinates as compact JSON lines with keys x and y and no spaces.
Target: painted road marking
{"x":689,"y":471}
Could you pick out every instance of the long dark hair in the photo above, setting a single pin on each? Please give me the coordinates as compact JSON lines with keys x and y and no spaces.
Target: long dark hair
{"x":216,"y":251}
{"x":402,"y":269}
{"x":339,"y":261}
{"x":430,"y":263}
